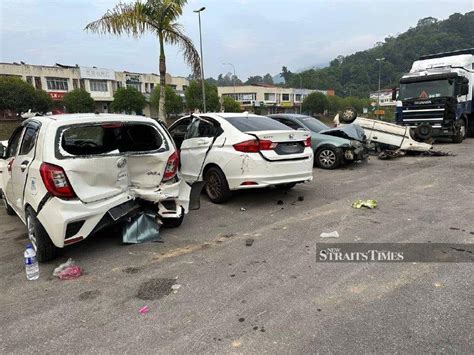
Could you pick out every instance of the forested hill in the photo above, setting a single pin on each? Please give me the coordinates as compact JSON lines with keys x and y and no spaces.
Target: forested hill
{"x":357,"y":74}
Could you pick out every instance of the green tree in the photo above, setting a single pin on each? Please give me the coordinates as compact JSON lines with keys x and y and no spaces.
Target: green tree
{"x":159,"y":18}
{"x":78,"y":101}
{"x":173,"y":103}
{"x":254,"y":80}
{"x":315,"y":102}
{"x":193,"y":96}
{"x":267,"y":79}
{"x":230,"y":105}
{"x":19,"y":96}
{"x":128,"y":100}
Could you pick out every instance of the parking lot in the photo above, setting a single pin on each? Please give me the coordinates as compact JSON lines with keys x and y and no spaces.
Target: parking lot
{"x":271,"y":296}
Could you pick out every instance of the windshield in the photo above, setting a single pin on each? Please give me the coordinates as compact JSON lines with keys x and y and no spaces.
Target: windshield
{"x":312,"y":123}
{"x":427,"y":89}
{"x":255,"y":123}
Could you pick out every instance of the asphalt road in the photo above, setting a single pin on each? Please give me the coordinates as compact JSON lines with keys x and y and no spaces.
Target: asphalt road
{"x":271,"y":297}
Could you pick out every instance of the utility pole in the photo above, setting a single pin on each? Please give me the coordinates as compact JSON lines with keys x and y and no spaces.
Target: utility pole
{"x":378,"y":92}
{"x":202,"y":60}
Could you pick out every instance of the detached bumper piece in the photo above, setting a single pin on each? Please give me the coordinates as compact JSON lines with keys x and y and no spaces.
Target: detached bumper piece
{"x":141,"y":228}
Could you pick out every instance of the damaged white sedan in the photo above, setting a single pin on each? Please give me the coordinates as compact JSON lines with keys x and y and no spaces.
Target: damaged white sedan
{"x":234,"y":151}
{"x":68,"y":176}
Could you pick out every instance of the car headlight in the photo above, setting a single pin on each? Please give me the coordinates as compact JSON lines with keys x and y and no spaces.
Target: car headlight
{"x":356,"y":144}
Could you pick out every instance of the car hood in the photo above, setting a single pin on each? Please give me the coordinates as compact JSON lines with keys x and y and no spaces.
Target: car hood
{"x":350,"y":131}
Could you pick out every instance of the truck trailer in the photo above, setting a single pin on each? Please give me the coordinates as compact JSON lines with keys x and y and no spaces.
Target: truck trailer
{"x":435,"y":97}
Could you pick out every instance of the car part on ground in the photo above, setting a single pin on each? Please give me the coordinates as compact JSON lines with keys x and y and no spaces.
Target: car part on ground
{"x":364,"y":203}
{"x":69,"y":176}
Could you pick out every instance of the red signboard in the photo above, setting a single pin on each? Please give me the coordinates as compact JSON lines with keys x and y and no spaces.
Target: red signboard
{"x":56,"y":96}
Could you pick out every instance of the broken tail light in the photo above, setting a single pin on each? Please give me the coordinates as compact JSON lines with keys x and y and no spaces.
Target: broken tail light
{"x":307,"y":142}
{"x":171,"y":167}
{"x":254,"y":146}
{"x":56,"y":181}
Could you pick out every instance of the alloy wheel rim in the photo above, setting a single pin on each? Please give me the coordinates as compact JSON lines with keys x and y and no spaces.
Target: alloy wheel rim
{"x":327,"y":158}
{"x":31,"y":233}
{"x":213,"y":186}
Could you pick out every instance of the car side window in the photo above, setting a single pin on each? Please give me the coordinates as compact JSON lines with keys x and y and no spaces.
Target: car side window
{"x":182,"y":127}
{"x":29,"y":140}
{"x":193,"y":130}
{"x":290,"y":123}
{"x":14,"y":142}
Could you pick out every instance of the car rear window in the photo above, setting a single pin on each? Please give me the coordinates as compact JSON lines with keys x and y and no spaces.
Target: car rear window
{"x":255,"y":123}
{"x":110,"y":138}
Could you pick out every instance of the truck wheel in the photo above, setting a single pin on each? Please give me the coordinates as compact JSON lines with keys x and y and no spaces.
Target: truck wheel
{"x":10,"y":211}
{"x":460,"y":133}
{"x":173,"y":222}
{"x":217,"y":188}
{"x":327,"y":158}
{"x":39,"y":238}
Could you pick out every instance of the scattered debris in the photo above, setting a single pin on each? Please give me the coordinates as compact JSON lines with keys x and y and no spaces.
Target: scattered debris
{"x":241,"y":320}
{"x":175,"y":288}
{"x":391,"y":154}
{"x":144,"y":310}
{"x":155,"y":288}
{"x":280,"y":202}
{"x":364,"y":203}
{"x":249,"y":242}
{"x":242,"y":209}
{"x":334,"y":234}
{"x":396,"y":153}
{"x":68,"y":270}
{"x":300,"y":198}
{"x":141,"y":228}
{"x":89,"y":295}
{"x":70,"y":273}
{"x":437,"y":153}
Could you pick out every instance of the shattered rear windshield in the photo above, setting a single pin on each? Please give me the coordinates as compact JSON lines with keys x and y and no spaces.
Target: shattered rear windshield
{"x":256,"y":123}
{"x":109,"y":139}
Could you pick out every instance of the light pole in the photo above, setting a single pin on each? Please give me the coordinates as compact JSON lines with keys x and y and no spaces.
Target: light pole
{"x":378,"y":92}
{"x":301,"y":92}
{"x":202,"y":60}
{"x":233,"y":79}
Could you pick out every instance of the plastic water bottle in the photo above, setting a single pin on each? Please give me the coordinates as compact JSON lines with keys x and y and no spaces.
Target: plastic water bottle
{"x":31,"y":263}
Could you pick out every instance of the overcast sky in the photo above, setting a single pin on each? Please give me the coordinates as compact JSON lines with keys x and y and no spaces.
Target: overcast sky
{"x":257,"y":36}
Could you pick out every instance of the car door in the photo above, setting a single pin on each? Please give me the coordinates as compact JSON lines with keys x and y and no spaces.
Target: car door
{"x":10,"y":157}
{"x":23,"y":160}
{"x":199,"y":138}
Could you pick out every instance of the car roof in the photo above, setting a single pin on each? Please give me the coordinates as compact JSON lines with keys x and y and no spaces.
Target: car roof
{"x":289,"y":115}
{"x":76,"y":118}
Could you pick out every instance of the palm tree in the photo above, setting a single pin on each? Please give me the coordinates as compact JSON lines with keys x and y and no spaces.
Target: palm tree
{"x":157,"y":17}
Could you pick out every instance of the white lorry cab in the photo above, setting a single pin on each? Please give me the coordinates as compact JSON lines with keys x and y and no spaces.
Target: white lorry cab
{"x":435,"y":97}
{"x":68,"y":176}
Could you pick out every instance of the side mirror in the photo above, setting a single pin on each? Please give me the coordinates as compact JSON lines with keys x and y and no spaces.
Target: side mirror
{"x":394,"y":94}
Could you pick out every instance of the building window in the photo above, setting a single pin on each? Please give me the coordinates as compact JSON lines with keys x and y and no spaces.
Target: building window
{"x":285,"y":97}
{"x":57,"y":84}
{"x":82,"y":84}
{"x":298,"y":97}
{"x":135,"y":85}
{"x":152,"y":86}
{"x":98,"y":85}
{"x":147,"y":88}
{"x":243,"y":96}
{"x":38,"y":82}
{"x":29,"y":80}
{"x":75,"y":84}
{"x":185,"y":87}
{"x":173,"y":87}
{"x":270,"y":97}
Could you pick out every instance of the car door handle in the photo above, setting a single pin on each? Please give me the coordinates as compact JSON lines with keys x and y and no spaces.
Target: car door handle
{"x":24,"y":165}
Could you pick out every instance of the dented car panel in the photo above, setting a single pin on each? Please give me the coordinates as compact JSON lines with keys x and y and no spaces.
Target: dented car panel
{"x":87,"y":171}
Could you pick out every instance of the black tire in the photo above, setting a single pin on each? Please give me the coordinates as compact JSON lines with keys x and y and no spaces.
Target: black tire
{"x":460,"y":133}
{"x":348,"y":115}
{"x":327,"y":158}
{"x":217,"y":188}
{"x":286,"y":187}
{"x":10,"y":211}
{"x":39,"y":238}
{"x":173,"y":222}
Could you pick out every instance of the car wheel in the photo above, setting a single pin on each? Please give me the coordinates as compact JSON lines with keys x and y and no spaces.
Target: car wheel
{"x":173,"y":222}
{"x":286,"y":187}
{"x":10,"y":211}
{"x":327,"y":158}
{"x":460,"y":133}
{"x":39,"y":238}
{"x":216,"y":186}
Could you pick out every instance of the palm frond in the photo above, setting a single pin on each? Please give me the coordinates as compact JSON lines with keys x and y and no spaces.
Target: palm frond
{"x":131,"y":19}
{"x":174,"y":35}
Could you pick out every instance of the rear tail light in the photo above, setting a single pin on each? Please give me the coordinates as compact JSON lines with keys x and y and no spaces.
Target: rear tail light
{"x":112,"y":125}
{"x":55,"y":181}
{"x":307,"y":142}
{"x":254,"y":146}
{"x":171,"y":167}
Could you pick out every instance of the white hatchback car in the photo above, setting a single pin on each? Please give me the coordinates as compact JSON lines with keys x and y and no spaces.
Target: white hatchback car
{"x":233,"y":151}
{"x":68,"y":176}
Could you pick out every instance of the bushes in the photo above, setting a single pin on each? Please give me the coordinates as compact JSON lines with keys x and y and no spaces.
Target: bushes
{"x":78,"y":101}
